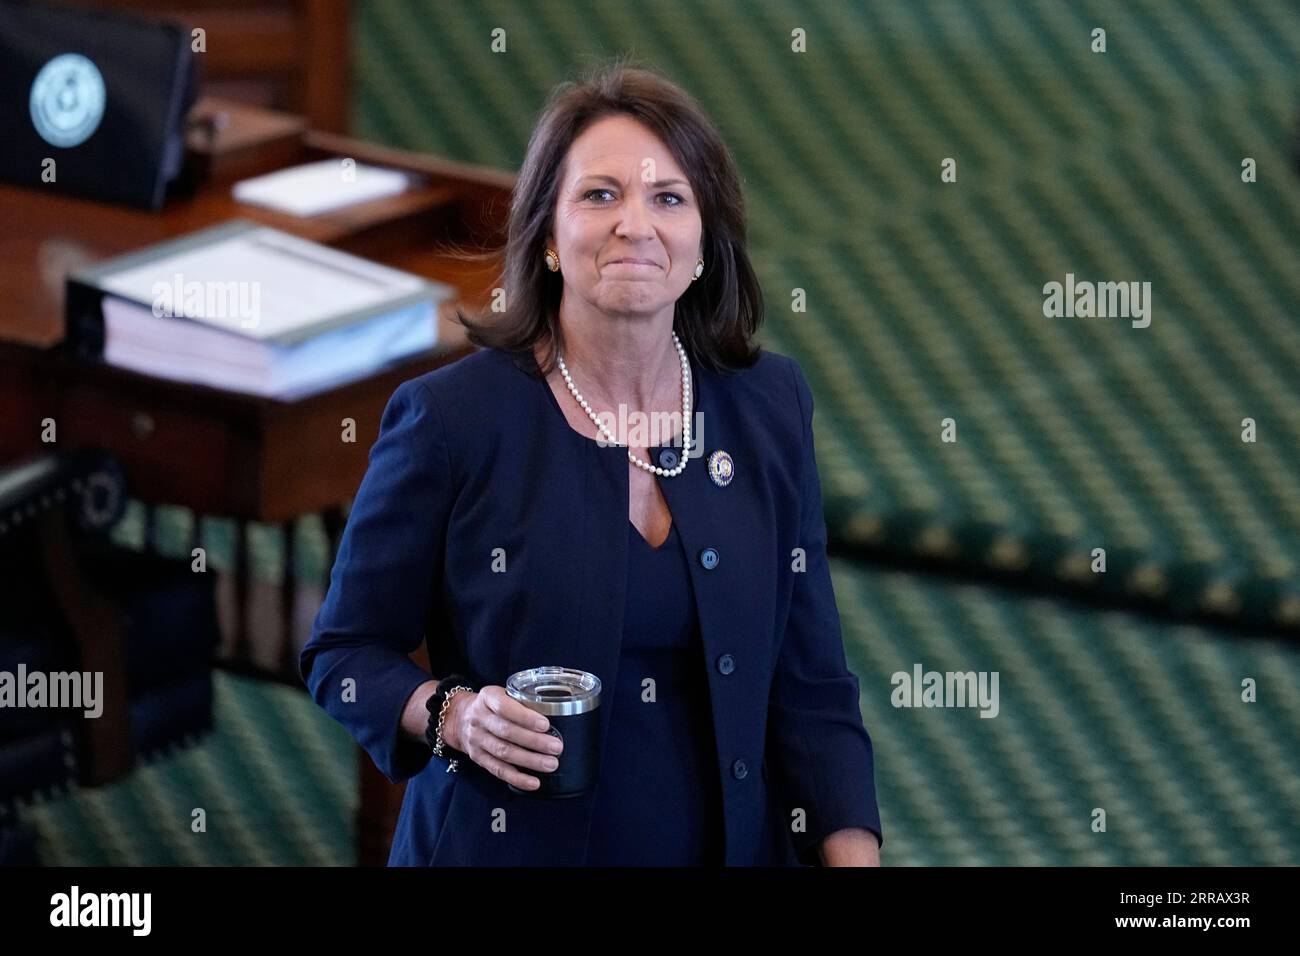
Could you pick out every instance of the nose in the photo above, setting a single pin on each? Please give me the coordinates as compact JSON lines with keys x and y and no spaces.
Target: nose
{"x":634,"y":222}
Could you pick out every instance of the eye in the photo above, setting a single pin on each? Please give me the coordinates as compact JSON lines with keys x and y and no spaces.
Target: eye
{"x":676,"y":199}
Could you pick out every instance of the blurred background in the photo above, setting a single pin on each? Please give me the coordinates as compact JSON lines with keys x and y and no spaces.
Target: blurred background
{"x":922,"y":300}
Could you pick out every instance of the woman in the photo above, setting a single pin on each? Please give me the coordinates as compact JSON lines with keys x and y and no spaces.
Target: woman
{"x":517,"y":512}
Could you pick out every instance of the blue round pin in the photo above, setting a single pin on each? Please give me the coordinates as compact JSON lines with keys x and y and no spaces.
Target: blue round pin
{"x":721,"y":468}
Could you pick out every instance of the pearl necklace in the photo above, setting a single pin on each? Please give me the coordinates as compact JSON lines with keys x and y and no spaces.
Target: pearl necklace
{"x":686,"y":415}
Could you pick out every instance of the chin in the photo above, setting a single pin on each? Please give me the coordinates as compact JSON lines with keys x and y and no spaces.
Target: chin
{"x":630,"y":304}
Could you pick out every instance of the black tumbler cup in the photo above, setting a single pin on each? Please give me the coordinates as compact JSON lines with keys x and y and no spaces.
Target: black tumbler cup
{"x":567,"y":698}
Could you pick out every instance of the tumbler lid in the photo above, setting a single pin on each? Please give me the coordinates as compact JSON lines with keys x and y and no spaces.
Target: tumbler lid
{"x":555,"y":691}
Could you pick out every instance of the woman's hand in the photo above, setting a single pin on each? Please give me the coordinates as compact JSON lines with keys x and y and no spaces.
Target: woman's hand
{"x":501,"y":735}
{"x":855,"y":846}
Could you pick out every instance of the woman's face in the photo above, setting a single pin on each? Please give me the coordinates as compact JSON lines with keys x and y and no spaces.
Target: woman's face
{"x":624,"y":197}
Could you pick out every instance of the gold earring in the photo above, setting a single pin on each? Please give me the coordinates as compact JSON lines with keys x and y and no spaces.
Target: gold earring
{"x":699,"y":270}
{"x":552,"y":260}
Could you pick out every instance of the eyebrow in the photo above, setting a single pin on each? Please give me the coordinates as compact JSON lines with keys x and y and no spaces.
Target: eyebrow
{"x":658,"y":184}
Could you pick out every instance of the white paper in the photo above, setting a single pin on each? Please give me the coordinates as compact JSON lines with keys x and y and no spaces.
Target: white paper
{"x":321,"y":187}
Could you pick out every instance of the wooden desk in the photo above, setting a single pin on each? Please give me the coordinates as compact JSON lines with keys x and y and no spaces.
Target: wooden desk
{"x":243,"y":455}
{"x":219,"y":452}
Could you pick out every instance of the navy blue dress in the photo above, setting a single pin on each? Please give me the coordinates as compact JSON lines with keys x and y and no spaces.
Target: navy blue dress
{"x":658,"y":800}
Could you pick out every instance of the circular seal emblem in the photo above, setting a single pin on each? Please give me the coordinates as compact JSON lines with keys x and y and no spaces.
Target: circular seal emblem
{"x":101,"y":502}
{"x":67,"y":100}
{"x":721,"y":469}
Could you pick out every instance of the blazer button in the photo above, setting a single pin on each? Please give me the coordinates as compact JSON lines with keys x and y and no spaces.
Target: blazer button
{"x":667,"y":458}
{"x":709,"y":558}
{"x":726,"y":664}
{"x":739,"y":770}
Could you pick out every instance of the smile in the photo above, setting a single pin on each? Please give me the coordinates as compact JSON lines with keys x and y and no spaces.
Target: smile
{"x":633,"y":264}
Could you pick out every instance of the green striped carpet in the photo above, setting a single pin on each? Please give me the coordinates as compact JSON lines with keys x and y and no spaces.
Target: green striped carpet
{"x":276,"y":781}
{"x":1095,"y":710}
{"x":924,"y":298}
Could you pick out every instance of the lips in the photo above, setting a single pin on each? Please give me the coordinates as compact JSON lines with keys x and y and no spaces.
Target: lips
{"x":627,"y":261}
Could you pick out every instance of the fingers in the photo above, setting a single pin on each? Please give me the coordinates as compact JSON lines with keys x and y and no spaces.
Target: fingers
{"x":503,"y":705}
{"x":512,"y":721}
{"x":500,"y":739}
{"x":503,"y":770}
{"x":495,"y":745}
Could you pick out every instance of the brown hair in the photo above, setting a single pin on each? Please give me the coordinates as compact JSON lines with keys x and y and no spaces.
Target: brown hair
{"x":718,"y":314}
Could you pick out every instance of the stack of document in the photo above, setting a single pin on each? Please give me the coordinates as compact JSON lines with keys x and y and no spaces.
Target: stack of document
{"x":321,"y":187}
{"x":252,"y":309}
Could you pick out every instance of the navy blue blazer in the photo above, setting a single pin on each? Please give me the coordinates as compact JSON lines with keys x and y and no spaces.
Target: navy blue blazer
{"x":478,"y":456}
